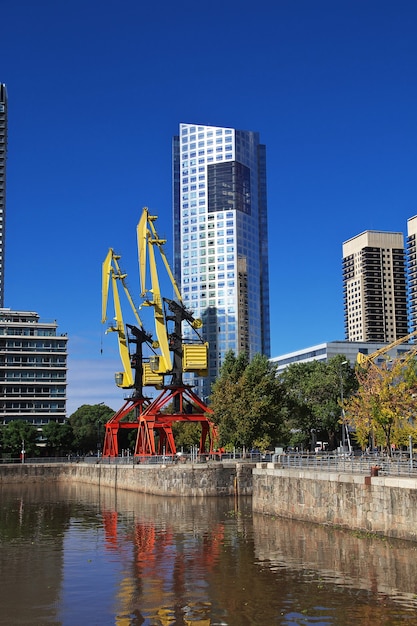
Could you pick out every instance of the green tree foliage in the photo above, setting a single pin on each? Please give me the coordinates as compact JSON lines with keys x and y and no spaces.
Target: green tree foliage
{"x":247,"y":402}
{"x":186,"y":435}
{"x":59,"y":437}
{"x":383,"y":408}
{"x":313,"y":395}
{"x":87,"y":424}
{"x":16,"y":432}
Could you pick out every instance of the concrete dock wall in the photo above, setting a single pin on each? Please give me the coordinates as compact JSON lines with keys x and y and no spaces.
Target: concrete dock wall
{"x":380,"y":504}
{"x":208,"y":479}
{"x":377,"y":504}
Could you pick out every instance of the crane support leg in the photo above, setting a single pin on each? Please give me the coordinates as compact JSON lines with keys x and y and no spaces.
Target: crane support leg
{"x":145,"y":440}
{"x":166,"y":441}
{"x":111,"y":446}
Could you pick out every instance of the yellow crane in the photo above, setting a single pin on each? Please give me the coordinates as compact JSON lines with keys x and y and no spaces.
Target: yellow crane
{"x":187,"y":356}
{"x":364,"y":360}
{"x":127,"y":333}
{"x":172,"y":354}
{"x":111,"y":273}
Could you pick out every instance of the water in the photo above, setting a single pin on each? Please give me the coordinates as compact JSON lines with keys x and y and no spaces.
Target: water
{"x":79,"y":555}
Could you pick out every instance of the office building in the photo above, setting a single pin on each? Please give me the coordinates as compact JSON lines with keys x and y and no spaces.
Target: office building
{"x":349,"y":349}
{"x":3,"y":156}
{"x":412,"y":271}
{"x":33,"y":369}
{"x":221,"y":239}
{"x":374,"y":287}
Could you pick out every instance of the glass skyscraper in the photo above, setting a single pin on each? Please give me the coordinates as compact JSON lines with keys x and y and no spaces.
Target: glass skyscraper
{"x":221,"y":238}
{"x":3,"y":154}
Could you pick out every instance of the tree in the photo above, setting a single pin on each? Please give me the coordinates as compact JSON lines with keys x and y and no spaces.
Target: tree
{"x":59,"y":437}
{"x":383,"y":408}
{"x":18,"y":435}
{"x":186,"y":435}
{"x":87,"y":424}
{"x":247,"y":402}
{"x":313,"y":394}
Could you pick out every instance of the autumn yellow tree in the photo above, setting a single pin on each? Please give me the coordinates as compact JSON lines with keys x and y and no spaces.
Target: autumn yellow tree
{"x":384,"y":407}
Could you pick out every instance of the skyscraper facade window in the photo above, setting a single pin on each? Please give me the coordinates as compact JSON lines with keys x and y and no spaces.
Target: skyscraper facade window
{"x":33,"y":369}
{"x":3,"y":155}
{"x":374,"y":286}
{"x":412,"y":271}
{"x":221,"y":237}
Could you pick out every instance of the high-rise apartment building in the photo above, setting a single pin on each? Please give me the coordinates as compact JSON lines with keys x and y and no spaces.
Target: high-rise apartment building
{"x":33,"y":369}
{"x":221,"y":238}
{"x":374,"y":286}
{"x":3,"y":155}
{"x":412,"y":271}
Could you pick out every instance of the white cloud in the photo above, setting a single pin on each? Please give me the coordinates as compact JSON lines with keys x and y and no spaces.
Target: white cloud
{"x":91,"y":381}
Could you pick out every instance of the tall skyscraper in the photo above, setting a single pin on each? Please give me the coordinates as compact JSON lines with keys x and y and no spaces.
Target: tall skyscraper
{"x":374,"y":286}
{"x":412,"y":271}
{"x":221,"y":237}
{"x":3,"y":155}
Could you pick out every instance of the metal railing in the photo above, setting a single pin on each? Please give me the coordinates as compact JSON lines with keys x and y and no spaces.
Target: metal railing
{"x":337,"y":463}
{"x":364,"y":464}
{"x":129,"y":459}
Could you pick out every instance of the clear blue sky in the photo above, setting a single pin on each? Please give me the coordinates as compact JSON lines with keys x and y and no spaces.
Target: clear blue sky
{"x":96,"y":91}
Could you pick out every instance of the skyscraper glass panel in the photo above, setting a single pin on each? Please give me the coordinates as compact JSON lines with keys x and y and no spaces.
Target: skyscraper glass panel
{"x":3,"y":155}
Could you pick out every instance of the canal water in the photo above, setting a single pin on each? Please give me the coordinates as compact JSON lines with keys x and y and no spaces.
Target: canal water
{"x":80,"y":555}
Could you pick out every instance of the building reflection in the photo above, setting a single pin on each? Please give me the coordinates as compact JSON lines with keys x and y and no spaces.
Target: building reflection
{"x":186,"y":553}
{"x":74,"y":550}
{"x":354,"y":560}
{"x":31,"y":540}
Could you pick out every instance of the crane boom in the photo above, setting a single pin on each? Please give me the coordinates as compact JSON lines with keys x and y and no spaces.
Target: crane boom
{"x":148,"y":239}
{"x":146,"y":242}
{"x":126,"y":380}
{"x":105,"y":280}
{"x":155,"y":240}
{"x":365,"y":359}
{"x":111,"y":272}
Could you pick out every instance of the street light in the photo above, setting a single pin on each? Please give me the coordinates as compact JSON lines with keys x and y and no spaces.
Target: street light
{"x":98,"y":431}
{"x":345,"y":431}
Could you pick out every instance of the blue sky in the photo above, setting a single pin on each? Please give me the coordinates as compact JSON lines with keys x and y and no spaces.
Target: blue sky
{"x":96,"y":91}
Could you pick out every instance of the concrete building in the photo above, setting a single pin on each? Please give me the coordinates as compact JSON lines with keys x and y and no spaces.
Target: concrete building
{"x":221,"y":239}
{"x":330,"y":349}
{"x":33,"y":369}
{"x":374,"y":286}
{"x":412,"y":271}
{"x":3,"y":156}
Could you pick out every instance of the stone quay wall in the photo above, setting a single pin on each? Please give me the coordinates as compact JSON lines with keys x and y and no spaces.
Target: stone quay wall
{"x":184,"y":479}
{"x":379,"y":504}
{"x":376,"y":504}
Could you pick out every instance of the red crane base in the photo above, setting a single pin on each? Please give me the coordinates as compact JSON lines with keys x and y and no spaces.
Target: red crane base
{"x":149,"y":420}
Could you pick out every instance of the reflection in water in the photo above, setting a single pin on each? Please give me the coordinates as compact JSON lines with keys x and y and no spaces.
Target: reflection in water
{"x":75,"y":555}
{"x":383,"y":566}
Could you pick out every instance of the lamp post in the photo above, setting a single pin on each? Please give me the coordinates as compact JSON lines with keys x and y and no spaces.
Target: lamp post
{"x":345,"y":432}
{"x":98,"y":432}
{"x":98,"y":438}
